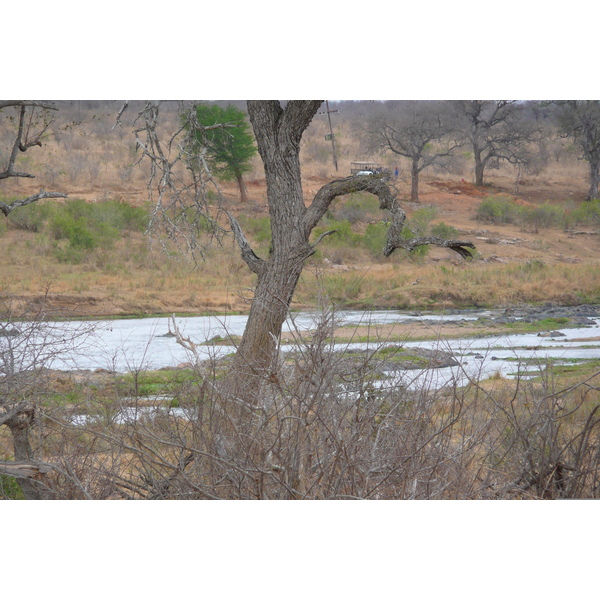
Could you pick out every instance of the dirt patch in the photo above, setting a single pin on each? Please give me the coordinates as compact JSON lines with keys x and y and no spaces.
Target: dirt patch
{"x":461,"y":187}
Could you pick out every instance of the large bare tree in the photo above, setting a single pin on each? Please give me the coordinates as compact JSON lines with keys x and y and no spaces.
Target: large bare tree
{"x":422,"y":132}
{"x":278,"y":128}
{"x":580,"y":120}
{"x":496,"y":132}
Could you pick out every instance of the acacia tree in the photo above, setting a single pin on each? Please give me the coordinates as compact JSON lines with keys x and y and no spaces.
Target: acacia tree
{"x":420,"y":131}
{"x":580,"y":120}
{"x":228,"y":148}
{"x":495,"y":132}
{"x":32,"y":122}
{"x":278,"y":130}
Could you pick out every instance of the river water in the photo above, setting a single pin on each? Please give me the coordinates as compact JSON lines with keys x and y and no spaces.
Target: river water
{"x":129,"y":344}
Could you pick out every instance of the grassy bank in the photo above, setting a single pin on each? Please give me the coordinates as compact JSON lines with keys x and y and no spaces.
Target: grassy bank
{"x":95,"y":260}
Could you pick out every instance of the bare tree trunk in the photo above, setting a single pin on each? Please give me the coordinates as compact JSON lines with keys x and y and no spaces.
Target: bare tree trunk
{"x":594,"y":179}
{"x":19,"y":427}
{"x":278,"y":134}
{"x":255,"y":358}
{"x":479,"y":169}
{"x":242,"y":186}
{"x":414,"y":188}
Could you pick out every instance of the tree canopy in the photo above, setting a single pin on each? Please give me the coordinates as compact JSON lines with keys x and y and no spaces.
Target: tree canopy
{"x":229,"y":146}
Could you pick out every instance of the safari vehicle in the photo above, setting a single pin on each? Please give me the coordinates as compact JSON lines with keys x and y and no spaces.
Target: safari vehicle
{"x":363,"y":167}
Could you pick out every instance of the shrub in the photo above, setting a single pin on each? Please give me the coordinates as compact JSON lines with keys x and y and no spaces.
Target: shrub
{"x":119,"y":215}
{"x":421,"y":220}
{"x":375,"y":237}
{"x":85,"y":226}
{"x":10,"y":489}
{"x":446,"y":232}
{"x":543,"y":216}
{"x":66,"y":226}
{"x":343,"y":236}
{"x":31,"y":217}
{"x":420,"y":251}
{"x":498,"y":210}
{"x":259,"y":229}
{"x":588,"y":213}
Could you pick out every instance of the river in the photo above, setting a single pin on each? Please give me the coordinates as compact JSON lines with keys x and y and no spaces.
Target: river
{"x":129,"y":344}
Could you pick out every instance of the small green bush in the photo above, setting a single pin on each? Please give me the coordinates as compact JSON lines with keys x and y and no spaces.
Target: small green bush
{"x":31,"y":217}
{"x":375,"y":238}
{"x":419,"y":252}
{"x":65,"y":226}
{"x":119,"y":215}
{"x":504,"y":211}
{"x":544,"y":216}
{"x":343,"y":236}
{"x":446,"y":232}
{"x":498,"y":210}
{"x":420,"y":220}
{"x":83,"y":225}
{"x":358,"y":207}
{"x":258,"y":229}
{"x":587,"y":213}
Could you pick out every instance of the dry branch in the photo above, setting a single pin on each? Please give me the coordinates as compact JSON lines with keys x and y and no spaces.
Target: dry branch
{"x":8,"y":208}
{"x":26,"y":470}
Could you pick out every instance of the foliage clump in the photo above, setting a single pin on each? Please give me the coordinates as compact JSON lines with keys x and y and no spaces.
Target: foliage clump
{"x":78,"y":227}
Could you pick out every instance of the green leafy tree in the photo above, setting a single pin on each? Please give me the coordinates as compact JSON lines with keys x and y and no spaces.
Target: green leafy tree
{"x":229,"y":148}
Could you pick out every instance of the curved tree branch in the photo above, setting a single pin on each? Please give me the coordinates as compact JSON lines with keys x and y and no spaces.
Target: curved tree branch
{"x":7,"y":208}
{"x":257,"y":265}
{"x":458,"y":246}
{"x":377,"y":185}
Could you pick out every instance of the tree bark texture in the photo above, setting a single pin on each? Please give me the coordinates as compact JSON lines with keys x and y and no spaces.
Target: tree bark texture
{"x":278,"y":133}
{"x":479,"y":168}
{"x":19,"y":426}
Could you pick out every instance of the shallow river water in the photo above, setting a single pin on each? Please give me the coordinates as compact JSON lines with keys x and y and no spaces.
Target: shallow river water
{"x":129,"y":344}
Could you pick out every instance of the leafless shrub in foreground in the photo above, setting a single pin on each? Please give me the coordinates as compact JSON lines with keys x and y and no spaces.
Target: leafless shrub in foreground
{"x":29,"y":344}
